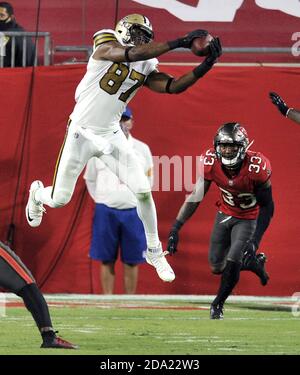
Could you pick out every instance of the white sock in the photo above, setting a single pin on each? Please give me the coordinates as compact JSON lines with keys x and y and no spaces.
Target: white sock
{"x":44,"y":195}
{"x":147,"y":213}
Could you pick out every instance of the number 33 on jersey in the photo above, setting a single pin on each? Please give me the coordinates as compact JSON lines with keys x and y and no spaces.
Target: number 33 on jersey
{"x":237,"y":194}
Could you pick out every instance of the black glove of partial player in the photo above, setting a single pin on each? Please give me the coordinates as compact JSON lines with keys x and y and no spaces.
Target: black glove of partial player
{"x":186,"y":41}
{"x":280,"y":104}
{"x":249,"y":253}
{"x":173,"y":238}
{"x":215,"y":52}
{"x":173,"y":241}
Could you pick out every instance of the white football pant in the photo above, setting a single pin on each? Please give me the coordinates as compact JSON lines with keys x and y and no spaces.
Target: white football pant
{"x":111,"y":146}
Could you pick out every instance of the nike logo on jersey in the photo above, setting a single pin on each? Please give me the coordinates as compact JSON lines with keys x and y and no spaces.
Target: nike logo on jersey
{"x":116,"y":132}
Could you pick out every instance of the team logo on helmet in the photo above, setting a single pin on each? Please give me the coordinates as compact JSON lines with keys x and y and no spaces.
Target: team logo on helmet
{"x":134,"y":29}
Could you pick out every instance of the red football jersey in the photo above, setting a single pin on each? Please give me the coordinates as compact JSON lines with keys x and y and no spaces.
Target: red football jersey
{"x":237,"y":196}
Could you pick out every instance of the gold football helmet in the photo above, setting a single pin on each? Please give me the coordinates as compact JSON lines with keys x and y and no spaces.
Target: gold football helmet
{"x":134,"y":29}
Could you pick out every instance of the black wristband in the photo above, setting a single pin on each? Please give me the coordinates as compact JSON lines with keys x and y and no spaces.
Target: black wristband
{"x":283,"y":108}
{"x":202,"y":69}
{"x":173,"y":44}
{"x":126,"y":54}
{"x":177,"y":225}
{"x":170,"y":80}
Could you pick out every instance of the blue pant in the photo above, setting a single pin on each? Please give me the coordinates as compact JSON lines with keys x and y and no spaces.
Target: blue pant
{"x":113,"y":228}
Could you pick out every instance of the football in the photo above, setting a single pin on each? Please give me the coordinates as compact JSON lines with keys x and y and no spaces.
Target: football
{"x":200,"y":45}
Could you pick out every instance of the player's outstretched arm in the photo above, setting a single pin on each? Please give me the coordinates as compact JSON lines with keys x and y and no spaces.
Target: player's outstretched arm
{"x":294,"y":115}
{"x":291,"y":113}
{"x":114,"y":51}
{"x":266,"y":210}
{"x":164,"y":83}
{"x":186,"y":211}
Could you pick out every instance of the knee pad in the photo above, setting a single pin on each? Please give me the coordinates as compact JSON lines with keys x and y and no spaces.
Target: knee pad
{"x":233,"y":264}
{"x":217,"y":269}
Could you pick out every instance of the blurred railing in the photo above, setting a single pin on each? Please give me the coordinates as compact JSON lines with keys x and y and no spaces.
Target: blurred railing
{"x":42,"y":44}
{"x":43,"y":41}
{"x":87,"y":50}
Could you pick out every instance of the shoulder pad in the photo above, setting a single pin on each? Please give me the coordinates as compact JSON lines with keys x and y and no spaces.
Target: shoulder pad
{"x":104,"y":36}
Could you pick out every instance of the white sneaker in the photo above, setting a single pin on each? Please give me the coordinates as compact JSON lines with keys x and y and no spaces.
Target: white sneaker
{"x":160,"y":263}
{"x":34,"y":210}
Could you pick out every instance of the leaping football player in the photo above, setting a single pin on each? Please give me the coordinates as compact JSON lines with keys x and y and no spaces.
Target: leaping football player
{"x":245,"y":209}
{"x":123,"y":60}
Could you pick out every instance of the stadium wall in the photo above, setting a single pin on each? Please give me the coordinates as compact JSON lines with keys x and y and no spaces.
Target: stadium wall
{"x":73,"y":23}
{"x":182,"y":125}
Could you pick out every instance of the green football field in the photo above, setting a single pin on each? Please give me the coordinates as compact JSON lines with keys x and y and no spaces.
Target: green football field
{"x":155,"y":326}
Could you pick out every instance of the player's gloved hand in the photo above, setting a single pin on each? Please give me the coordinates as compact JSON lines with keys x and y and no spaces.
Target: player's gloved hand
{"x":215,"y":52}
{"x":173,"y":238}
{"x":186,"y":41}
{"x":173,"y":242}
{"x":280,"y":104}
{"x":249,"y":253}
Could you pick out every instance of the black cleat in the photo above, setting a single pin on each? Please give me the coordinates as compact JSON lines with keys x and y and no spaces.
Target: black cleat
{"x":57,"y":342}
{"x":260,"y":269}
{"x":256,"y":264}
{"x":216,"y":312}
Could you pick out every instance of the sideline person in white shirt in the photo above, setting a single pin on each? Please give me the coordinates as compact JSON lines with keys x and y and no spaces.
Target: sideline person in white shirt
{"x":116,"y":223}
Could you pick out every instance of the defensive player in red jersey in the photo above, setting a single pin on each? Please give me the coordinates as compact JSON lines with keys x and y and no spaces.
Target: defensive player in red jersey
{"x":245,"y":209}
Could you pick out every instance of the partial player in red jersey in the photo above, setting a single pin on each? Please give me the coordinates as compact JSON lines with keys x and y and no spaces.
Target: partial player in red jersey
{"x":245,"y":209}
{"x":16,"y":278}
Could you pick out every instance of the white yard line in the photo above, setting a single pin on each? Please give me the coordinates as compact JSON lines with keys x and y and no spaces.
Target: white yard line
{"x":152,"y":297}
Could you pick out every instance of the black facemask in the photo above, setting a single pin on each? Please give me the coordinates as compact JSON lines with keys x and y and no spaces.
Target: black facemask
{"x":139,"y":35}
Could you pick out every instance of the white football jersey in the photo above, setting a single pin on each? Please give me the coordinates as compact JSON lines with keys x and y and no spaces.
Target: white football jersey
{"x":106,"y":88}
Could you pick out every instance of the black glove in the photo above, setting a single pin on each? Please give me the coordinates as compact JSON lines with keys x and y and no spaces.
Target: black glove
{"x":173,"y":238}
{"x":280,"y":104}
{"x":173,"y":241}
{"x":215,"y":52}
{"x":249,"y":253}
{"x":186,"y":41}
